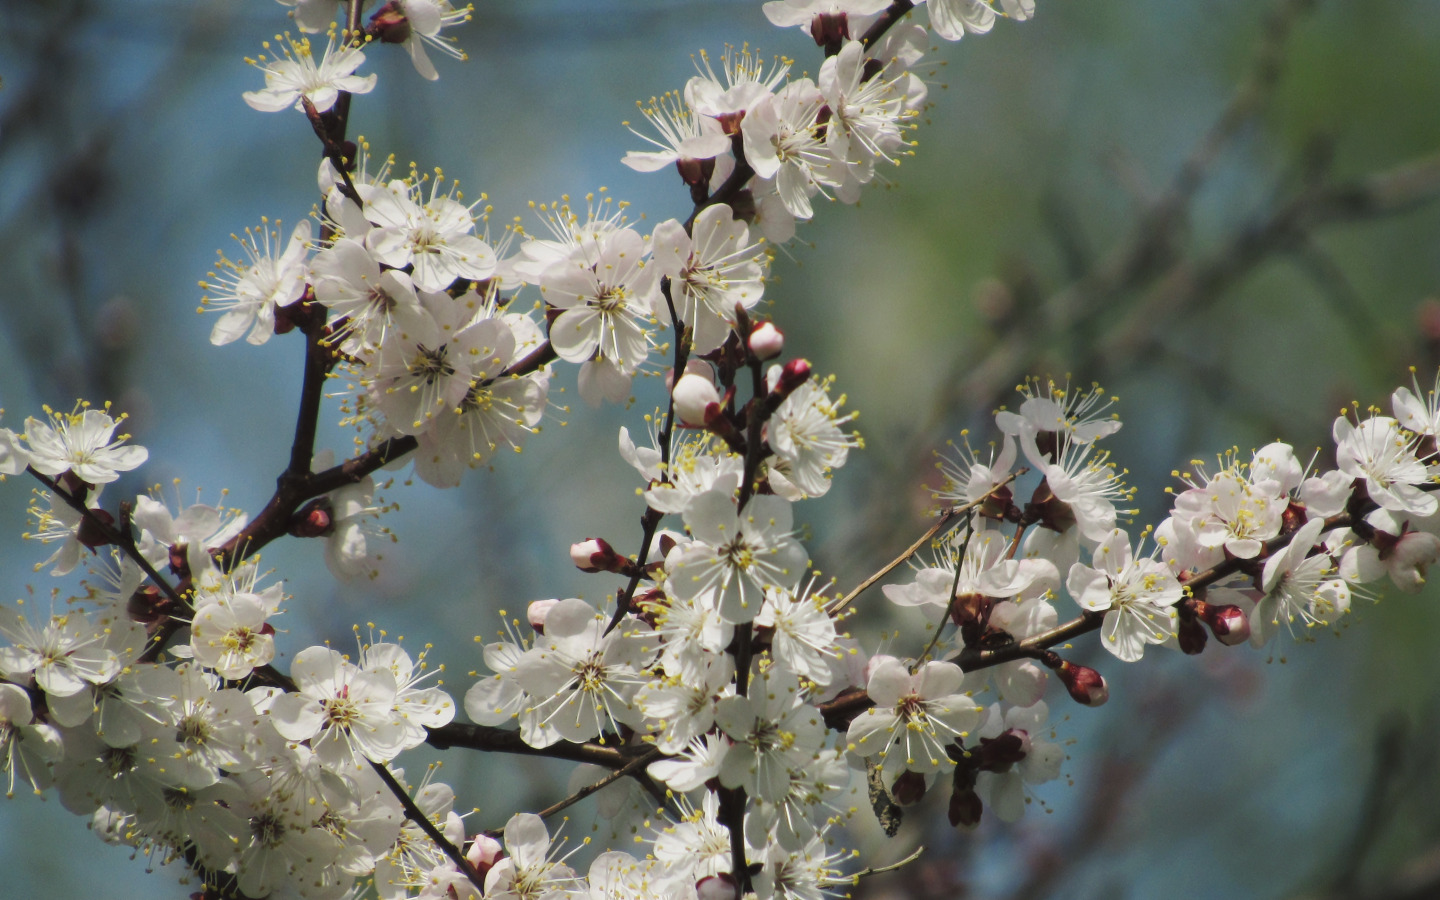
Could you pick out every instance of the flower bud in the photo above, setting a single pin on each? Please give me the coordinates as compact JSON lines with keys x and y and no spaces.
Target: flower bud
{"x":766,"y":341}
{"x":791,"y":375}
{"x":695,"y":399}
{"x":315,"y":519}
{"x":720,"y":886}
{"x":484,"y":851}
{"x":595,"y":555}
{"x":1086,"y":686}
{"x":537,"y":612}
{"x":1228,"y":622}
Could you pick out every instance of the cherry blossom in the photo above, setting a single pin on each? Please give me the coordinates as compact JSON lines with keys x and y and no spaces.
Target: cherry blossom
{"x":82,"y":442}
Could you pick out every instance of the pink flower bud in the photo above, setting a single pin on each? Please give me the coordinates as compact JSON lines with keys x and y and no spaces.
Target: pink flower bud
{"x":1229,"y":623}
{"x":695,"y":396}
{"x":537,"y":612}
{"x":1086,"y":686}
{"x":595,"y":555}
{"x":766,"y":341}
{"x":720,"y":886}
{"x":793,"y":374}
{"x":315,"y":519}
{"x":483,"y":853}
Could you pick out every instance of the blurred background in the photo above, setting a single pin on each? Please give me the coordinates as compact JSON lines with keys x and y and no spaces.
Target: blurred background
{"x":1227,"y":212}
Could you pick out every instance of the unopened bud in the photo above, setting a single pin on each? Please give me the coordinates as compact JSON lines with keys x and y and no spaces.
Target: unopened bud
{"x":595,"y":555}
{"x":720,"y":886}
{"x":1228,"y":622}
{"x":791,"y":375}
{"x":908,"y":788}
{"x":483,"y":853}
{"x":537,"y":612}
{"x":1086,"y":686}
{"x":766,"y":341}
{"x":695,"y":398}
{"x":315,"y":519}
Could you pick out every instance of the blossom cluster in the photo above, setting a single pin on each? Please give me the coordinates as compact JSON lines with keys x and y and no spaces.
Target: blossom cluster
{"x":718,"y":681}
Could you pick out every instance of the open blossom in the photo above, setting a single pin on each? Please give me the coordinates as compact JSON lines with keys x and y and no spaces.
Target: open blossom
{"x":1138,"y":596}
{"x":82,"y":442}
{"x":295,"y":76}
{"x":63,"y":656}
{"x":248,"y":293}
{"x":344,"y":711}
{"x":784,"y":145}
{"x":915,"y":717}
{"x":529,"y":871}
{"x":230,"y":631}
{"x":684,"y":135}
{"x":433,"y":236}
{"x":737,"y":554}
{"x":606,"y":296}
{"x":582,"y":679}
{"x":809,"y":441}
{"x":711,"y":273}
{"x":1298,"y":585}
{"x":417,"y":23}
{"x":775,"y":732}
{"x":1377,"y":451}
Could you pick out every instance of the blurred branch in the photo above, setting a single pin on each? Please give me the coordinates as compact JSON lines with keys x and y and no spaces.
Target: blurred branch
{"x":1147,"y":283}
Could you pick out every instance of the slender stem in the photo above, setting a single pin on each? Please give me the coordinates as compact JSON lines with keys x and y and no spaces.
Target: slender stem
{"x":418,"y":816}
{"x":954,"y":586}
{"x":120,"y":539}
{"x":946,"y":519}
{"x":633,"y":765}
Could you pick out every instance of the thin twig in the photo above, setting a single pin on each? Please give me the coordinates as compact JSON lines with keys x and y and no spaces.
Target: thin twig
{"x":418,"y":816}
{"x":946,"y":518}
{"x":876,"y":870}
{"x":638,"y":762}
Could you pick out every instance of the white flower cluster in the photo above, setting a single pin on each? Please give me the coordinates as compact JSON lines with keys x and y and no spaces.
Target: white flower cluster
{"x":722,"y":688}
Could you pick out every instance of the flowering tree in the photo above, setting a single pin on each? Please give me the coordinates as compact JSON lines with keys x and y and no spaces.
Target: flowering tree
{"x":719,"y":695}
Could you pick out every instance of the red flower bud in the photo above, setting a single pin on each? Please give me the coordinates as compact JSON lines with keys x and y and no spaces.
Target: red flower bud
{"x":1086,"y":686}
{"x":595,"y":555}
{"x":1228,"y":622}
